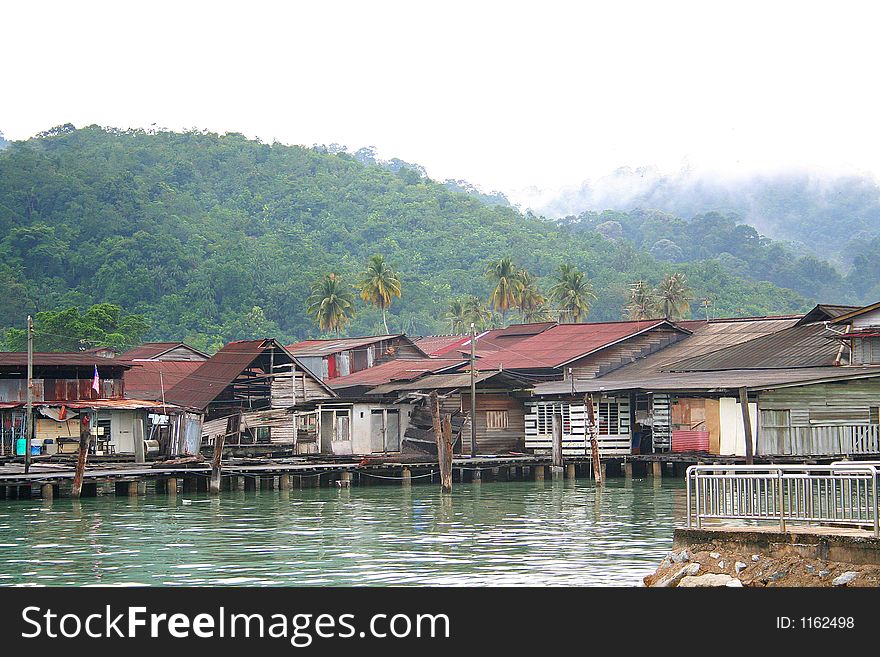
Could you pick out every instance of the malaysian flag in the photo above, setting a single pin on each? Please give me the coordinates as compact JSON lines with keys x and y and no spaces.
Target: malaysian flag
{"x":96,"y":382}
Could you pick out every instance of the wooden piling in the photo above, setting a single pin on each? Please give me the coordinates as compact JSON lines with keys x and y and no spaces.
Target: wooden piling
{"x":443,"y":438}
{"x":214,"y":487}
{"x":406,"y":477}
{"x":593,"y":430}
{"x":284,"y":482}
{"x":570,"y":471}
{"x":85,"y":437}
{"x":344,"y":480}
{"x":47,"y":491}
{"x":657,"y":469}
{"x":747,"y":424}
{"x":628,"y":470}
{"x":539,"y":473}
{"x":556,"y":467}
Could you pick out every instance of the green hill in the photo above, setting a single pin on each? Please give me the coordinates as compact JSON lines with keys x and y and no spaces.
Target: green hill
{"x":217,"y":237}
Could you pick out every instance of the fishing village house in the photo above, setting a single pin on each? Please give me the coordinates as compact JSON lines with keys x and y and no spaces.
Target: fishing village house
{"x":372,"y":423}
{"x":66,"y":388}
{"x":806,"y":394}
{"x":565,"y":354}
{"x":328,"y":359}
{"x":256,"y":395}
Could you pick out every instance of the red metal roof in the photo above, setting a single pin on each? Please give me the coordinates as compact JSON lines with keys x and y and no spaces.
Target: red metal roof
{"x":149,"y":378}
{"x":59,"y":359}
{"x":562,"y":343}
{"x":437,"y":345}
{"x":399,"y":369}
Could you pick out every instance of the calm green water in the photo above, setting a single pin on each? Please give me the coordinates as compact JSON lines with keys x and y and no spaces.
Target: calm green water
{"x":516,"y":533}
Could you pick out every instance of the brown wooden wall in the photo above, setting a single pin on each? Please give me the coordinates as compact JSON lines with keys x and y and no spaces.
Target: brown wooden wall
{"x":513,"y":438}
{"x":15,"y":390}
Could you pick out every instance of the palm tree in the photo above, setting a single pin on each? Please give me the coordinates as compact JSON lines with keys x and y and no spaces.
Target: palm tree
{"x":330,"y":303}
{"x":379,"y":285}
{"x":674,"y":296}
{"x":642,"y":302}
{"x":531,"y":301}
{"x":508,"y":286}
{"x":457,"y":315}
{"x":476,"y":313}
{"x":573,"y":292}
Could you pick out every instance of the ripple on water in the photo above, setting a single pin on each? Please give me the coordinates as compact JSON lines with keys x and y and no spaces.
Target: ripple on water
{"x":502,"y":534}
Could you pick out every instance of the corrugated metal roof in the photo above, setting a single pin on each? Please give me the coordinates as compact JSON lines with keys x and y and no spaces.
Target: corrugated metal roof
{"x":563,"y":343}
{"x":826,"y":311}
{"x":154,"y":349}
{"x":447,"y":381}
{"x":845,"y":317}
{"x":336,"y":345}
{"x":59,"y":359}
{"x":148,"y":379}
{"x":806,"y":345}
{"x":709,"y":381}
{"x":437,"y":345}
{"x":399,"y":369}
{"x":707,"y":337}
{"x":212,"y":377}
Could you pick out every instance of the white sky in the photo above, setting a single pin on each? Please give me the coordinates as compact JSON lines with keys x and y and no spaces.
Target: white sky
{"x":503,"y":94}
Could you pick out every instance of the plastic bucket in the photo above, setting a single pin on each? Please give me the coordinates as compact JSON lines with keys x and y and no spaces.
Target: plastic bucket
{"x":19,"y":446}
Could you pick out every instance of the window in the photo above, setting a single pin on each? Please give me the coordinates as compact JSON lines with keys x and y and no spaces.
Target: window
{"x":545,"y":412}
{"x":775,"y":431}
{"x":608,"y":417}
{"x":496,"y":420}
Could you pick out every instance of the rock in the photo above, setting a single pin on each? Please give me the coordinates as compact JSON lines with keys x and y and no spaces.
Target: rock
{"x":672,"y":580}
{"x":740,"y":566}
{"x":721,"y":565}
{"x":715,"y":555}
{"x":681,"y":557}
{"x":702,"y":581}
{"x":755,"y":558}
{"x":778,"y":575}
{"x":810,"y":569}
{"x":824,"y":573}
{"x":843,"y":579}
{"x":734,"y":584}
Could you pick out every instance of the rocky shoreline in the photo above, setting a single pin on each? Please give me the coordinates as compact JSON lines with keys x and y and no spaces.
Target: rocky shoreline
{"x":705,"y":566}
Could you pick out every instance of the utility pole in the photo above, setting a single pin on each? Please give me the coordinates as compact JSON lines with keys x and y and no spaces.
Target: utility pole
{"x":473,"y":391}
{"x":29,"y":419}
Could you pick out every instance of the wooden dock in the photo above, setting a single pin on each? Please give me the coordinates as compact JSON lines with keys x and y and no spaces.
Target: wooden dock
{"x":53,"y":477}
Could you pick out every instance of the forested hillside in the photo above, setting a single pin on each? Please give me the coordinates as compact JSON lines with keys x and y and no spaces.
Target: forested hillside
{"x":217,"y":237}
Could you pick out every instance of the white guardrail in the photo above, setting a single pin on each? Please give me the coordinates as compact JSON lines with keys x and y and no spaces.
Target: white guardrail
{"x":842,"y":493}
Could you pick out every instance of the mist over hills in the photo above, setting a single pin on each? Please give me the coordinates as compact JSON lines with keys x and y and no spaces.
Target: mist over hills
{"x":831,"y":214}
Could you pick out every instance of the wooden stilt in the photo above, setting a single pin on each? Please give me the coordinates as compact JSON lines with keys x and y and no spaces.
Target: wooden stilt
{"x":570,"y":471}
{"x":47,"y":491}
{"x":628,"y":470}
{"x":85,"y":436}
{"x":593,"y":430}
{"x":284,"y":482}
{"x":539,"y":473}
{"x":443,"y":439}
{"x":406,"y":477}
{"x":344,"y":480}
{"x":657,"y":469}
{"x":214,"y":487}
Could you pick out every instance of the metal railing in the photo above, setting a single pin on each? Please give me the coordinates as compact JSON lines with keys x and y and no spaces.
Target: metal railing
{"x":843,"y":493}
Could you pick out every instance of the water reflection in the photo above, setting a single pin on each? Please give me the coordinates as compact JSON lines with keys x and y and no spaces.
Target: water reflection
{"x":546,"y":533}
